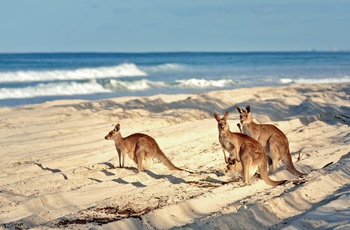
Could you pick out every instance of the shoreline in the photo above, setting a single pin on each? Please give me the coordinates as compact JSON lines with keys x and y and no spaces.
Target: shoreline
{"x":56,"y":163}
{"x":18,"y":102}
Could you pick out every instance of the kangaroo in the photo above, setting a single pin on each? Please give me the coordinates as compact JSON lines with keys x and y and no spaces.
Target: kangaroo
{"x":246,"y":153}
{"x":272,"y":139}
{"x":230,"y":142}
{"x":253,"y":160}
{"x":269,"y":161}
{"x":140,"y":147}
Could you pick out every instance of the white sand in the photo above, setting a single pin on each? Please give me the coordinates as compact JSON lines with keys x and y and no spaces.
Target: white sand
{"x":55,"y":167}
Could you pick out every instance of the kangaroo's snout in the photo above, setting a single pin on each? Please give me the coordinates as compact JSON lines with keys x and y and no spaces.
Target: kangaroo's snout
{"x":110,"y":135}
{"x":229,"y":168}
{"x":222,"y":125}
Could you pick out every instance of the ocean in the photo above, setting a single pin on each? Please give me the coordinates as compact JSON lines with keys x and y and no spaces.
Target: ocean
{"x":38,"y":77}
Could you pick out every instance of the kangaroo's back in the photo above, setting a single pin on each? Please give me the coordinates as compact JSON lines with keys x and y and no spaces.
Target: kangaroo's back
{"x":132,"y":139}
{"x":151,"y":148}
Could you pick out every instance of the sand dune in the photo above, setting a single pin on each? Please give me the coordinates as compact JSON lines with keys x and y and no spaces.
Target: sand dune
{"x":56,"y":169}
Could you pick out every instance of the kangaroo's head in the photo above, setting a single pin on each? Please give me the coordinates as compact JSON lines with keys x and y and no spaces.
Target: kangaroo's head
{"x":222,"y":122}
{"x":113,"y":133}
{"x":244,"y":115}
{"x":231,"y":166}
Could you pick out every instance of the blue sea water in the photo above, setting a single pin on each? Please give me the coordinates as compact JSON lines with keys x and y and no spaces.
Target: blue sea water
{"x":38,"y":77}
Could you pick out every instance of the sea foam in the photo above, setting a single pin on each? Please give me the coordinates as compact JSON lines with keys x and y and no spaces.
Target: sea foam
{"x":164,"y":68}
{"x":122,"y":70}
{"x":136,"y":85}
{"x":345,"y":79}
{"x":144,"y":84}
{"x":203,"y":83}
{"x":53,"y":89}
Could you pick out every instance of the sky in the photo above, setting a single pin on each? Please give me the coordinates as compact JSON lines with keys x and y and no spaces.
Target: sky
{"x":173,"y":26}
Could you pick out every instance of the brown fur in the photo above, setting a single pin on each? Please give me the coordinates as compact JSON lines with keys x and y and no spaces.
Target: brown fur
{"x":246,"y":152}
{"x":140,"y":147}
{"x":273,"y":140}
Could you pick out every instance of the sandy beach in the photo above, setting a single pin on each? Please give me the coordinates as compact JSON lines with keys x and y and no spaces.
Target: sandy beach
{"x":56,"y":169}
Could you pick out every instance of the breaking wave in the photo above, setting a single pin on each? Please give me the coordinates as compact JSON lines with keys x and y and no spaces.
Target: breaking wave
{"x":164,"y":68}
{"x":53,"y":89}
{"x":122,"y":70}
{"x":106,"y":86}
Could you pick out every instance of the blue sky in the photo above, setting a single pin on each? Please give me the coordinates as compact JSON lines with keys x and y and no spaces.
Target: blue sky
{"x":159,"y":25}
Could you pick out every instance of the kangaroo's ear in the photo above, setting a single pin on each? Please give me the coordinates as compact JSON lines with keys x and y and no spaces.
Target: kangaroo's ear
{"x":239,"y":110}
{"x":248,"y":108}
{"x":217,"y":117}
{"x":117,"y":127}
{"x":225,"y":116}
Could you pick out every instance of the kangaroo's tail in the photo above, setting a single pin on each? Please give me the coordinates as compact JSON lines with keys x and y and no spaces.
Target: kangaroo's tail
{"x":165,"y":160}
{"x":264,"y":175}
{"x":290,"y":166}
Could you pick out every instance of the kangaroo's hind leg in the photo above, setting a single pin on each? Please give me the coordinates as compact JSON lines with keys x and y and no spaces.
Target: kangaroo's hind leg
{"x":273,"y":151}
{"x":247,"y":164}
{"x":246,"y":172}
{"x":140,"y":156}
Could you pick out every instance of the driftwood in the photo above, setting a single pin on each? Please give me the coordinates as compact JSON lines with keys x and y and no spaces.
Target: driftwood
{"x":203,"y":184}
{"x":113,"y":214}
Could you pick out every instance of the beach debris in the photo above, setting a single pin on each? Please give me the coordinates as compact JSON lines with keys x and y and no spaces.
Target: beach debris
{"x":204,"y":184}
{"x":327,"y":165}
{"x":298,"y":181}
{"x":299,"y":155}
{"x":107,"y":214}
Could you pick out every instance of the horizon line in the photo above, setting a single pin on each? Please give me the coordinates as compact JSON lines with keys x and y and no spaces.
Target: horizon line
{"x":160,"y":52}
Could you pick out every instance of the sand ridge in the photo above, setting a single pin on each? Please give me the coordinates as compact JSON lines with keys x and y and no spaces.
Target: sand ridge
{"x":56,"y":165}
